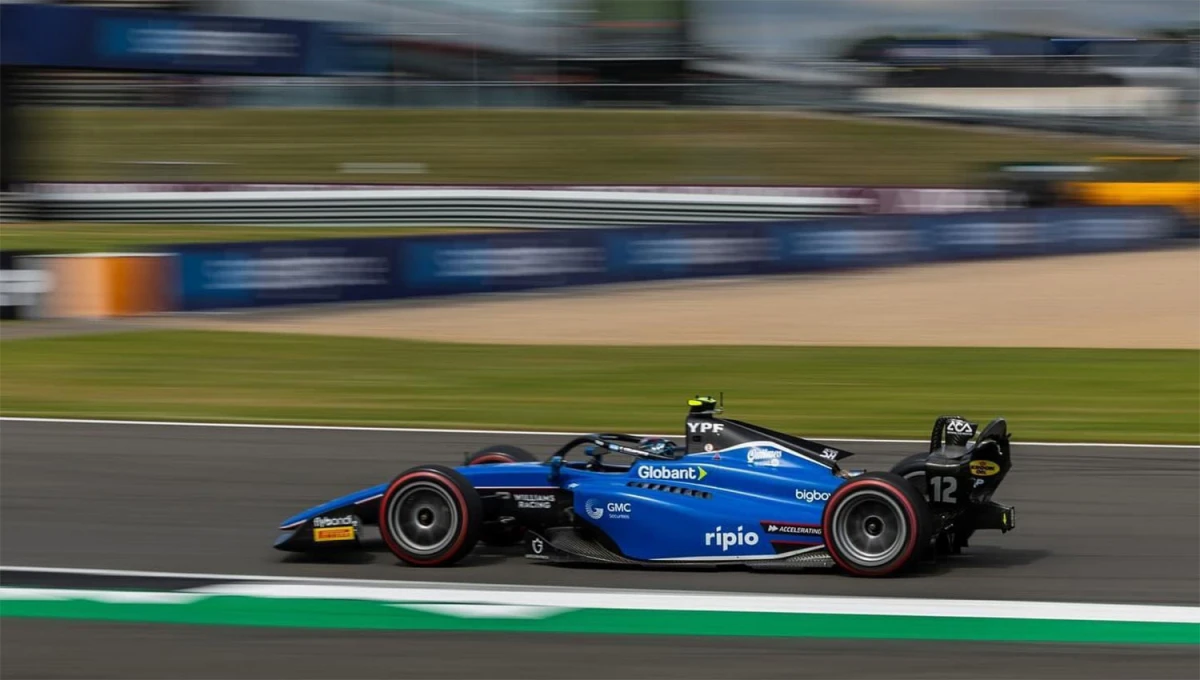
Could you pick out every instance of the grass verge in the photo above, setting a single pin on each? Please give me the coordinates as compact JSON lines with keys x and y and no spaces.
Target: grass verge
{"x":525,"y":146}
{"x":68,"y":237}
{"x":1076,"y":395}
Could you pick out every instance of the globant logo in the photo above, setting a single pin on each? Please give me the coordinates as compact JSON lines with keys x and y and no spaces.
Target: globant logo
{"x":811,"y":495}
{"x":688,"y":473}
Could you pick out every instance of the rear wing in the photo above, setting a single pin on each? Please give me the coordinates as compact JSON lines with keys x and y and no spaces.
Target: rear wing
{"x":958,"y":426}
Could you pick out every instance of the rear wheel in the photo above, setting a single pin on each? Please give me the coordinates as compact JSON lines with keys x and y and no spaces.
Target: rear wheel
{"x":430,"y":516}
{"x":913,"y":469}
{"x":876,"y":524}
{"x":496,"y":533}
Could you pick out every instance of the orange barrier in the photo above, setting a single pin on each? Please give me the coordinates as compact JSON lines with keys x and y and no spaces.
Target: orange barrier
{"x":103,"y":285}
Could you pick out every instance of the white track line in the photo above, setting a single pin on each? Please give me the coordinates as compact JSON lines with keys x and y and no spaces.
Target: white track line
{"x":109,"y":596}
{"x":603,"y":598}
{"x":525,"y":433}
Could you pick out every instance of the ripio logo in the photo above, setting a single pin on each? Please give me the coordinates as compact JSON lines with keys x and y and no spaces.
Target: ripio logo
{"x":728,"y":538}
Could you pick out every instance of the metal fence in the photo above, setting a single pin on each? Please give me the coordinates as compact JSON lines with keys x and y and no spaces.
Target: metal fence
{"x":564,"y":207}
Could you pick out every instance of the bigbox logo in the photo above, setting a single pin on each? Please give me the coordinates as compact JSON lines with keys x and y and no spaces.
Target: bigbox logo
{"x":811,"y":495}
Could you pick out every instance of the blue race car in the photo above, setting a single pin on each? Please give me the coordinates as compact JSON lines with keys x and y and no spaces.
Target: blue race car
{"x":736,"y":493}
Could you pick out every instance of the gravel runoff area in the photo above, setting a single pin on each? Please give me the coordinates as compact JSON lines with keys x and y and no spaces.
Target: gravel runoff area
{"x":1148,"y":300}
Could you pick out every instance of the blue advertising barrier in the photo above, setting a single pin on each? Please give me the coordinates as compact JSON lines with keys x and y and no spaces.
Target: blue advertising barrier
{"x":230,"y":275}
{"x":50,"y":36}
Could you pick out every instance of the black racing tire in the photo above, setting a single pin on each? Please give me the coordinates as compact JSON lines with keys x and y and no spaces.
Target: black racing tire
{"x":876,"y":524}
{"x":430,"y":516}
{"x":500,"y":453}
{"x":499,"y":535}
{"x":912,"y":468}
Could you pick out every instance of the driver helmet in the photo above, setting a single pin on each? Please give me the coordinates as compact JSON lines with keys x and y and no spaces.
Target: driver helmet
{"x":658,"y":446}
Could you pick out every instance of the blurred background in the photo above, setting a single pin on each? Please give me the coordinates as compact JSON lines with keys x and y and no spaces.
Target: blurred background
{"x":463,"y":114}
{"x":422,"y":90}
{"x":226,"y":211}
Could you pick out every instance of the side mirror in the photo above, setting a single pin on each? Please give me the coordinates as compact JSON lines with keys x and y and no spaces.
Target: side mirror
{"x":556,"y":464}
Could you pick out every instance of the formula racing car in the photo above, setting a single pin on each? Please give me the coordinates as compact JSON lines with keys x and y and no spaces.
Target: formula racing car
{"x":733,"y":493}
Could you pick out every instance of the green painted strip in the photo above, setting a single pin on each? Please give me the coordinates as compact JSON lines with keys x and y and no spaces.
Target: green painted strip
{"x":364,"y":615}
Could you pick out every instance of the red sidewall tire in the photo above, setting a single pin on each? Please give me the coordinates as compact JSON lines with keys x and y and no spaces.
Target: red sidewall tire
{"x":918,"y":523}
{"x":500,"y":453}
{"x":491,"y":458}
{"x":468,"y":505}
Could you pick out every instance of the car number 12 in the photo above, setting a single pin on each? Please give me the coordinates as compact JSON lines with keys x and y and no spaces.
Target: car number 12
{"x":943,"y":489}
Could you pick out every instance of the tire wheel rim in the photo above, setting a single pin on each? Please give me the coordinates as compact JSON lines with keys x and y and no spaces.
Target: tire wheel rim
{"x":869,"y":528}
{"x":423,"y":518}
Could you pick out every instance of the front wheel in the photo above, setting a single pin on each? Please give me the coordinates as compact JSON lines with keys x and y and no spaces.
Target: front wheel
{"x":495,"y":533}
{"x":876,"y":524}
{"x":430,"y":516}
{"x":500,"y":453}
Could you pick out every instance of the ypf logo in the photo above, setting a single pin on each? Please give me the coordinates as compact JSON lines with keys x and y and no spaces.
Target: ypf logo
{"x":593,"y":509}
{"x":706,"y":427}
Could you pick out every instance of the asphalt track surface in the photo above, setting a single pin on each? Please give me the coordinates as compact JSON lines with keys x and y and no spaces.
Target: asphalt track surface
{"x":1093,"y":524}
